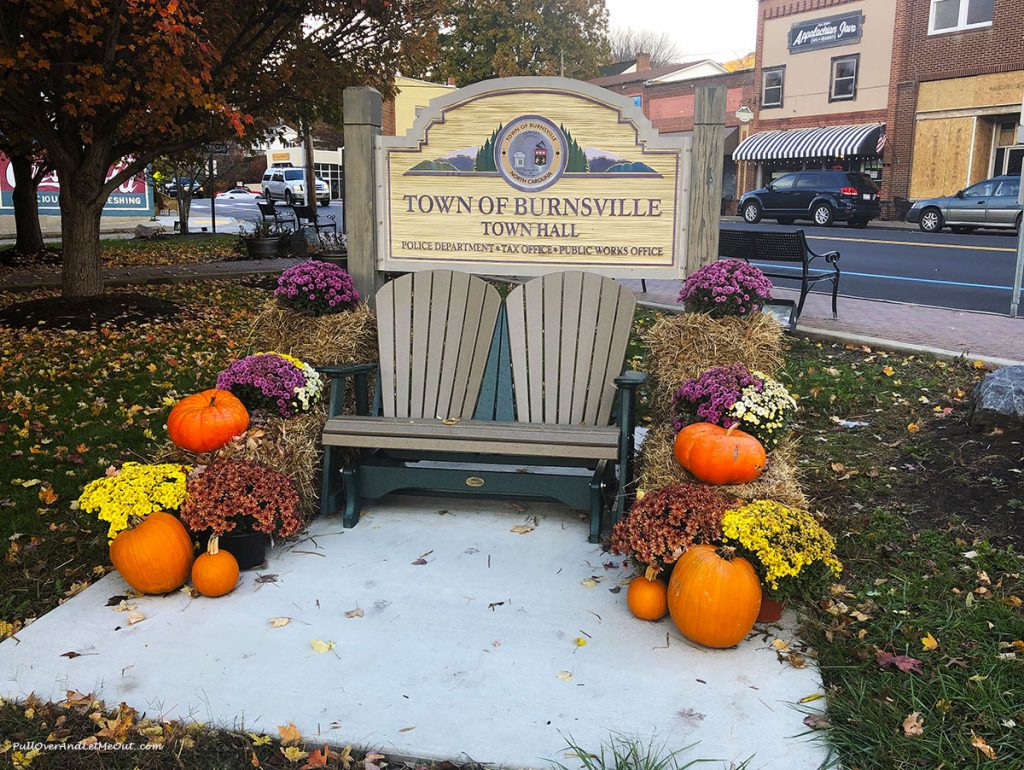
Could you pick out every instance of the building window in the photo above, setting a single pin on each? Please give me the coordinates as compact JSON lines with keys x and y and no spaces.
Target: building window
{"x":956,"y":15}
{"x":771,"y":90}
{"x":844,"y":78}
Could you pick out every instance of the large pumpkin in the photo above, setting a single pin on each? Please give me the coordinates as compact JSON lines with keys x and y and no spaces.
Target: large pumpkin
{"x":713,"y":596}
{"x":207,"y":421}
{"x":215,"y":572}
{"x":647,"y":598}
{"x":154,"y":555}
{"x":719,"y":456}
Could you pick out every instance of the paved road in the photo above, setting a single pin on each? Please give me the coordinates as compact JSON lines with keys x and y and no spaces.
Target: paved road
{"x":965,"y":272}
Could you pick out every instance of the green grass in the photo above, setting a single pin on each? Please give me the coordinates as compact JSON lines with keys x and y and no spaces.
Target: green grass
{"x":129,"y":252}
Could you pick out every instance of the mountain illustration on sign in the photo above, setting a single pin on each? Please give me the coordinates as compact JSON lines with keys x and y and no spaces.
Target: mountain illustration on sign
{"x":580,"y":161}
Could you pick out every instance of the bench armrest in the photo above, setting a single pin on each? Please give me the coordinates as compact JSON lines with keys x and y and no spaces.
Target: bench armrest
{"x":630,"y":380}
{"x":832,"y":257}
{"x":340,"y":375}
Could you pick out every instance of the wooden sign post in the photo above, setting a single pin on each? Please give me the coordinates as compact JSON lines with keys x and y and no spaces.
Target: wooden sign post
{"x":706,"y":190}
{"x":363,"y":109}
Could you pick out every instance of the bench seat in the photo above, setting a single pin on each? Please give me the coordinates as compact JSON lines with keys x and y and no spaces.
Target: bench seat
{"x":475,"y":436}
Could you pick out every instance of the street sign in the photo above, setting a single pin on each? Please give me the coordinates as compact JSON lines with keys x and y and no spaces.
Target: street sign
{"x":216,"y":148}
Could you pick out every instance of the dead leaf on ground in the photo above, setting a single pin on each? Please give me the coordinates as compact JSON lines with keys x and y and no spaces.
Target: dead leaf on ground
{"x":589,"y":583}
{"x":904,"y":663}
{"x":356,"y":613}
{"x":817,"y":721}
{"x":290,"y":734}
{"x":135,"y":617}
{"x":913,"y":725}
{"x":266,"y":579}
{"x":979,"y":743}
{"x":523,"y":529}
{"x":565,"y":676}
{"x":320,"y":646}
{"x":280,"y":622}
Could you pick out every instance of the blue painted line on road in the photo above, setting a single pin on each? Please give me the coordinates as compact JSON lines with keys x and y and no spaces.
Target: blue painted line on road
{"x":774,"y":266}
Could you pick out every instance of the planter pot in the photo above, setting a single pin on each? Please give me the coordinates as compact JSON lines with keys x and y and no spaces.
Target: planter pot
{"x":249,"y":549}
{"x":771,"y":610}
{"x":340,"y":259}
{"x":263,"y":248}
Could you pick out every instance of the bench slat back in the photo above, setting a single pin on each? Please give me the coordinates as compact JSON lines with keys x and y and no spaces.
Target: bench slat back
{"x":568,"y":334}
{"x":434,"y":332}
{"x":763,"y":244}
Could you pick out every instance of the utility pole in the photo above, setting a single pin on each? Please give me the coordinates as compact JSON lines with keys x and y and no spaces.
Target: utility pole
{"x":1019,"y":266}
{"x":213,"y":196}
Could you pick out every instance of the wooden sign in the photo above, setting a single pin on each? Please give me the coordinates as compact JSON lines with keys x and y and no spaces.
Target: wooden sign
{"x":523,"y":176}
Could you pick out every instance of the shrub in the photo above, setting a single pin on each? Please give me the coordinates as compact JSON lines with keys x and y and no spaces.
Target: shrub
{"x":316,"y":288}
{"x":242,"y":497}
{"x":662,"y":525}
{"x":273,"y":381}
{"x":725,"y":288}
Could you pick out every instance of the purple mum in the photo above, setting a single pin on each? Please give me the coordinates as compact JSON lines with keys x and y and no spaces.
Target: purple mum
{"x":707,"y":398}
{"x":316,"y":288}
{"x":726,"y":287}
{"x":264,"y":381}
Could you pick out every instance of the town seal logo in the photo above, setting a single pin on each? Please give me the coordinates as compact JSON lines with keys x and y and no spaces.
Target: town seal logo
{"x":530,"y":153}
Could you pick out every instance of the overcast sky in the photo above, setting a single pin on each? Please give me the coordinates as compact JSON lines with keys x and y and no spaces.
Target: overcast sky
{"x":716,"y":29}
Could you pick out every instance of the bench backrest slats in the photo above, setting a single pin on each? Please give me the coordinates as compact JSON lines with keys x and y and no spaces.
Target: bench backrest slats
{"x":568,"y":334}
{"x":763,"y":244}
{"x":434,"y":332}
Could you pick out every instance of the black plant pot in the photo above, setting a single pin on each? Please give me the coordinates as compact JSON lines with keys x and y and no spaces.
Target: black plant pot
{"x":340,"y":259}
{"x":263,"y":248}
{"x":249,"y":549}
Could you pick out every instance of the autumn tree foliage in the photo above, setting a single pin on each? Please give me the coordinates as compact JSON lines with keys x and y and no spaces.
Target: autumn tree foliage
{"x":482,"y":39}
{"x":101,"y":83}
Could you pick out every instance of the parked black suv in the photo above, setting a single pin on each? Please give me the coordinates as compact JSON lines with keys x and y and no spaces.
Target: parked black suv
{"x":821,"y":196}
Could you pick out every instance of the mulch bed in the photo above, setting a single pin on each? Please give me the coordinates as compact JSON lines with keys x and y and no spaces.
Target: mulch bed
{"x":83,"y":314}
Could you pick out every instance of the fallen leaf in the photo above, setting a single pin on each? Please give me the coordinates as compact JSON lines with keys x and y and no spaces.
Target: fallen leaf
{"x":913,"y":725}
{"x":817,"y":721}
{"x":71,"y":654}
{"x":321,"y":646}
{"x":913,"y":427}
{"x":46,"y":495}
{"x":523,"y":529}
{"x":980,"y":744}
{"x":135,"y":617}
{"x":266,"y":579}
{"x":928,"y":642}
{"x":294,"y":753}
{"x":290,"y":734}
{"x":317,"y":759}
{"x":581,"y":642}
{"x":280,"y":622}
{"x":780,"y":645}
{"x":356,"y":613}
{"x":811,"y":698}
{"x":888,"y":371}
{"x":259,"y":740}
{"x":406,"y":729}
{"x":589,"y":583}
{"x":565,"y":676}
{"x":904,"y":663}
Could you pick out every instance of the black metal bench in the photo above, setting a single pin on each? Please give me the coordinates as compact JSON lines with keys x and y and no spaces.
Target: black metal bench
{"x":271,"y":213}
{"x":306,"y":216}
{"x":774,"y":246}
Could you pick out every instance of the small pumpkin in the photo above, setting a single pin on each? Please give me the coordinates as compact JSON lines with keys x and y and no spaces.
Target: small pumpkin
{"x":647,"y":597}
{"x":717,"y":456}
{"x":714,"y":596}
{"x":204,"y":422}
{"x":154,"y":554}
{"x":215,"y":572}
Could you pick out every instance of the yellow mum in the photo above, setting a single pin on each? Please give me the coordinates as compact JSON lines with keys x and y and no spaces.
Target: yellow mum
{"x":135,"y":490}
{"x":784,"y":540}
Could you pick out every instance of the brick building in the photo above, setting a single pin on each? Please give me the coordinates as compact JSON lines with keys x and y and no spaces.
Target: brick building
{"x":667,"y":96}
{"x":822,"y":75}
{"x":955,"y":99}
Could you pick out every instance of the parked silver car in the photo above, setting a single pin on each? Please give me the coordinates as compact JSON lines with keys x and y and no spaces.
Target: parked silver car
{"x":992,"y":203}
{"x":286,"y":184}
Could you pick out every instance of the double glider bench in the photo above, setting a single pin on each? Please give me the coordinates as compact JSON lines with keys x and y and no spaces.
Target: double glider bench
{"x":525,"y":399}
{"x":786,"y":247}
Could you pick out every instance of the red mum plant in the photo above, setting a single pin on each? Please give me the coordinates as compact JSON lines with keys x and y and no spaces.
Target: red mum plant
{"x":662,"y":525}
{"x":241,"y":497}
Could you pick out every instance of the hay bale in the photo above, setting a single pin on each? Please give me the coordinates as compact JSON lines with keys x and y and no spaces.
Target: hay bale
{"x":290,"y":446}
{"x":657,"y":468}
{"x":685,"y":345}
{"x":328,"y":340}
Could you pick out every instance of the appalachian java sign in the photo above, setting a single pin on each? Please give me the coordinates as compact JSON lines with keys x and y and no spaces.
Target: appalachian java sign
{"x":522,"y":176}
{"x":826,"y":33}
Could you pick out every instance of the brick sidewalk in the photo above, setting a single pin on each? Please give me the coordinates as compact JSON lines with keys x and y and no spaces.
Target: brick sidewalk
{"x":122,"y":276}
{"x":895,"y":325}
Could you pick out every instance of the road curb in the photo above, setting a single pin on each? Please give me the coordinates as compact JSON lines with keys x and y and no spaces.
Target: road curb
{"x":896,"y":346}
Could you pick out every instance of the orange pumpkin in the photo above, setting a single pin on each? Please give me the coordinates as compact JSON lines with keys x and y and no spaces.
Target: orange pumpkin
{"x":647,"y":598}
{"x":215,"y":572}
{"x":207,"y":421}
{"x":714,"y":596}
{"x":719,"y":456}
{"x":154,"y":554}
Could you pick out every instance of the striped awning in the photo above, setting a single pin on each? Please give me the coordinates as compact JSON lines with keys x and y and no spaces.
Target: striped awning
{"x":799,"y":143}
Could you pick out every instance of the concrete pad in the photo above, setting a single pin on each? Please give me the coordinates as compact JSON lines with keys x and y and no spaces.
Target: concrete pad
{"x":466,"y":649}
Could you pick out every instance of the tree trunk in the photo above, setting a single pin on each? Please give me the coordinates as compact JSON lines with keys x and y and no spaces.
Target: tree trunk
{"x":307,"y":151}
{"x":26,"y":206}
{"x":184,"y":209}
{"x":81,"y":206}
